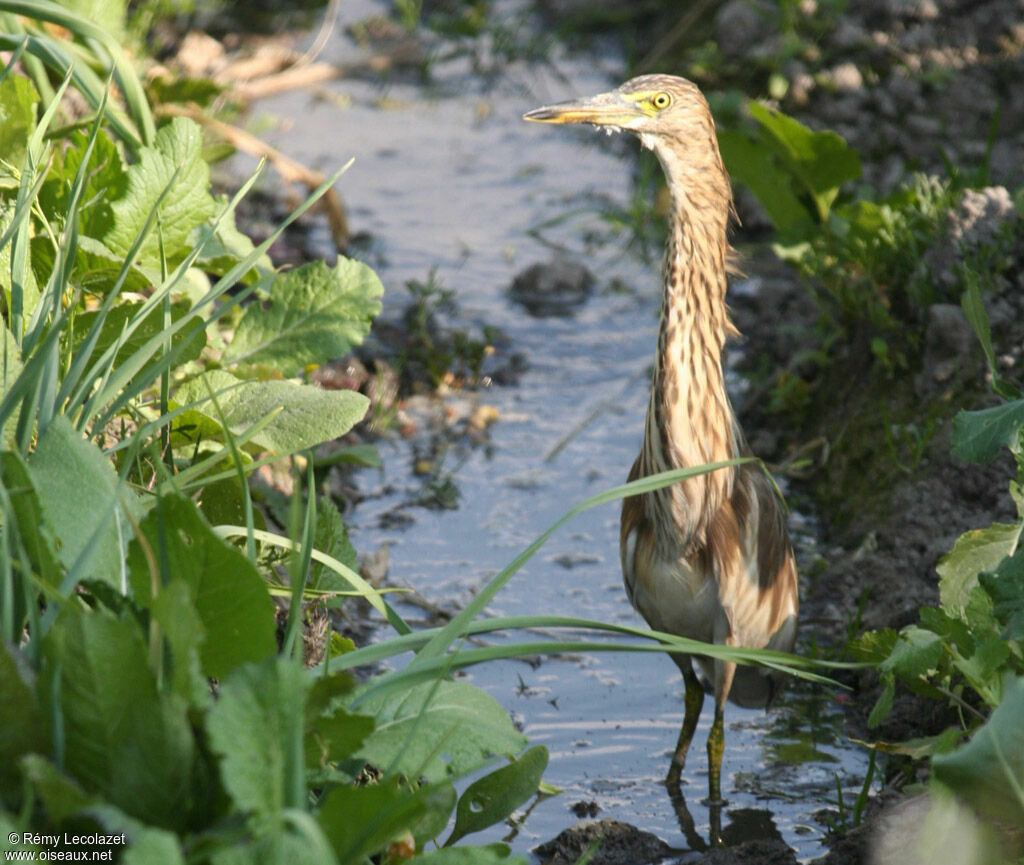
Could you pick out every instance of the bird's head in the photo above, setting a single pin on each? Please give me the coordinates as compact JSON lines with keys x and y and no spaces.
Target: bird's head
{"x":654,"y":107}
{"x":671,"y":117}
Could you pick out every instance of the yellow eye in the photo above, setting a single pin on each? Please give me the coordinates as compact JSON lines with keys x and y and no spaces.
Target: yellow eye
{"x":661,"y":101}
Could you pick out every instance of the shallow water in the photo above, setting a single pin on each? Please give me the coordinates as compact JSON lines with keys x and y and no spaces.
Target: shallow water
{"x":447,"y":178}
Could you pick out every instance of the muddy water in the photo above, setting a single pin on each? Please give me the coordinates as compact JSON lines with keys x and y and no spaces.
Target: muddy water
{"x":447,"y":178}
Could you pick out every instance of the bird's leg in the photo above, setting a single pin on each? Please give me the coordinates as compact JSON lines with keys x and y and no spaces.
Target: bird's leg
{"x":694,"y":702}
{"x":724,"y":672}
{"x":716,"y":746}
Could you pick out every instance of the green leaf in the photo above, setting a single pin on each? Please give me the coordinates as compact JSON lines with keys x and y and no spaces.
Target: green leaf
{"x":334,"y":736}
{"x":18,"y":105}
{"x":108,"y":14}
{"x":883,"y":705}
{"x":95,"y":270}
{"x":33,"y":532}
{"x":62,"y":796}
{"x":491,"y":854}
{"x":988,"y":772}
{"x":821,"y":161}
{"x":153,"y":847}
{"x":276,"y":844}
{"x":228,"y":246}
{"x":314,"y":314}
{"x":174,"y":160}
{"x":332,"y":538}
{"x":229,"y":596}
{"x":303,"y":415}
{"x":361,"y":821}
{"x":494,"y":797}
{"x":1005,"y":588}
{"x":22,"y":728}
{"x":115,"y":320}
{"x":82,"y":501}
{"x":753,"y":165}
{"x":106,"y":180}
{"x":121,"y":739}
{"x":978,"y":436}
{"x":916,"y":652}
{"x":974,"y":551}
{"x":175,"y":613}
{"x":433,"y":729}
{"x":256,"y":728}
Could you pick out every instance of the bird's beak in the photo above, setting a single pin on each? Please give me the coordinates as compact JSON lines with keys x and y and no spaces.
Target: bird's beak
{"x":608,"y":109}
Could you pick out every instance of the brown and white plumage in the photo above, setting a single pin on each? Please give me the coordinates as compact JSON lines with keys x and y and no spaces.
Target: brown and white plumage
{"x":708,"y":558}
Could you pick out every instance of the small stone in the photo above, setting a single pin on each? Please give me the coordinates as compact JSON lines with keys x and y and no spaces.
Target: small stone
{"x":846,"y":76}
{"x":552,"y":289}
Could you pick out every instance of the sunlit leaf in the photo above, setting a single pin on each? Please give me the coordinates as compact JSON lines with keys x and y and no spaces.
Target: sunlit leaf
{"x":176,"y":155}
{"x":82,"y":501}
{"x":314,"y":314}
{"x":975,"y":551}
{"x":303,"y":416}
{"x":433,"y":729}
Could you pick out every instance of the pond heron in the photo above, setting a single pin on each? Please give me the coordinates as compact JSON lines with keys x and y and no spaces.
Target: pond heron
{"x":708,"y":558}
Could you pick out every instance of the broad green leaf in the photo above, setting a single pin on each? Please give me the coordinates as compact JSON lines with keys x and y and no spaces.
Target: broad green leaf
{"x":228,"y":246}
{"x":983,"y":669}
{"x":96,"y":269}
{"x":256,"y":728}
{"x":176,"y":155}
{"x":22,"y":729}
{"x":121,"y":739}
{"x":1005,"y":589}
{"x":18,"y":105}
{"x":175,"y":613}
{"x":752,"y":165}
{"x":303,"y":415}
{"x":108,"y":14}
{"x":334,"y":736}
{"x":61,"y":795}
{"x":314,"y":314}
{"x":433,"y":729}
{"x":821,"y":161}
{"x":491,"y":854}
{"x":82,"y":501}
{"x":153,"y":847}
{"x":106,"y":180}
{"x":222,"y":503}
{"x":917,"y":651}
{"x":332,"y":733}
{"x":978,"y":436}
{"x":361,"y":821}
{"x":988,"y":772}
{"x":494,"y":797}
{"x":33,"y":532}
{"x":975,"y":551}
{"x":332,"y":538}
{"x":119,"y":316}
{"x":230,"y":597}
{"x":276,"y":844}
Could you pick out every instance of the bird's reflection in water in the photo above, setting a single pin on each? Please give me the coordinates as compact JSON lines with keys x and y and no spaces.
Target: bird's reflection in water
{"x":745,"y":824}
